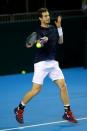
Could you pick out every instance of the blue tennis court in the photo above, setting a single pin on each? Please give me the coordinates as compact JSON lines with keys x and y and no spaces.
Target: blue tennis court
{"x":44,"y":112}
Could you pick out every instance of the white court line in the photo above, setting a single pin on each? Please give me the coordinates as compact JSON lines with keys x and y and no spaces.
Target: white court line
{"x":42,"y":124}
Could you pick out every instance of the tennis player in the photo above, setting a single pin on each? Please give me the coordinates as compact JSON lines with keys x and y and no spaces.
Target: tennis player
{"x":45,"y":64}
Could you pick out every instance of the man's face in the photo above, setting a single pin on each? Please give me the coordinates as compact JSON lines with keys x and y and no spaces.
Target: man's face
{"x":45,"y":19}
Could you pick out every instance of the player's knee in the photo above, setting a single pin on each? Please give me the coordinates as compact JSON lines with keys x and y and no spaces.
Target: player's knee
{"x":63,"y":86}
{"x":36,"y":90}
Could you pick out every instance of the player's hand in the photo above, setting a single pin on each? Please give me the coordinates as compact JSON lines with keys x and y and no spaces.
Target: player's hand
{"x":58,"y":21}
{"x":44,"y":39}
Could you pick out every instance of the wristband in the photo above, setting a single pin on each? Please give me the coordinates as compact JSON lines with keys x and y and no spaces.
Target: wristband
{"x":60,"y":31}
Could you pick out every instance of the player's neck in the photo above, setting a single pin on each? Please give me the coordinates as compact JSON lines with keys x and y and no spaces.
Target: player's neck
{"x":45,"y":25}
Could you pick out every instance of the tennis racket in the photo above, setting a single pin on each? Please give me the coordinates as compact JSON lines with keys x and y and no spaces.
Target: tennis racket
{"x":31,"y":39}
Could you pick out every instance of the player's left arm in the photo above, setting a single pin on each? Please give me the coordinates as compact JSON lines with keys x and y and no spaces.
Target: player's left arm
{"x":59,"y":28}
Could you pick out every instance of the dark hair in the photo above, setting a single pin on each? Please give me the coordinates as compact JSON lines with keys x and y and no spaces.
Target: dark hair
{"x":41,"y":10}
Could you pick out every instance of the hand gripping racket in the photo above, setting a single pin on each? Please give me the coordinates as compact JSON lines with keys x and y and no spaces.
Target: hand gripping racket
{"x":32,"y":39}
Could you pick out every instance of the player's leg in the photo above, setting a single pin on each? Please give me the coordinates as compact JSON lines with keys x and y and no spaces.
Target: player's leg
{"x":34,"y":91}
{"x":63,"y":90}
{"x":65,"y":98}
{"x":57,"y":76}
{"x":38,"y":78}
{"x":28,"y":96}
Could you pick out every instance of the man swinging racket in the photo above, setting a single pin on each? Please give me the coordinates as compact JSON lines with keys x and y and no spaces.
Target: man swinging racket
{"x":46,"y":65}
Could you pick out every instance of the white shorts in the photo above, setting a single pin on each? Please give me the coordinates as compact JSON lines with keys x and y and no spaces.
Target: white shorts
{"x":44,"y":68}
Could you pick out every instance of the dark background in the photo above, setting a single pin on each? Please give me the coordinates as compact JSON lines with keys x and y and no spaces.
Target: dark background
{"x":20,"y":6}
{"x":15,"y":57}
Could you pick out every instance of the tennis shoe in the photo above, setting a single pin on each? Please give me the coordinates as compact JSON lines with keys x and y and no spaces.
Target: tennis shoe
{"x":69,"y":117}
{"x":19,"y":115}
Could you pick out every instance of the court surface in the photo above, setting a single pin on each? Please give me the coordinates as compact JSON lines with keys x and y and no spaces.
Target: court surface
{"x":44,"y":112}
